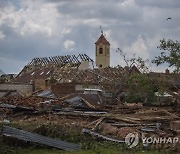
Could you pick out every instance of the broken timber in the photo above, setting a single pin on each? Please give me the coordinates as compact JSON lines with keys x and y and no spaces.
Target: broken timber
{"x":132,"y":125}
{"x":32,"y":137}
{"x":100,"y":114}
{"x":101,"y":136}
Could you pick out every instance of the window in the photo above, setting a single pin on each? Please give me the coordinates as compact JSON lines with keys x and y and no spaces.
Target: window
{"x":48,"y":72}
{"x":100,"y":50}
{"x":42,"y":73}
{"x":100,"y":66}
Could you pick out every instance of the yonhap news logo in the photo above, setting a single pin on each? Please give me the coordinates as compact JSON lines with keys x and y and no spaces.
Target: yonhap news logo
{"x":132,"y":140}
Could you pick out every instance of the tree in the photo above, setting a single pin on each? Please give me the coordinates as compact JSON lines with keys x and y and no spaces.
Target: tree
{"x":170,"y":54}
{"x":139,"y":86}
{"x":140,"y":89}
{"x":142,"y":65}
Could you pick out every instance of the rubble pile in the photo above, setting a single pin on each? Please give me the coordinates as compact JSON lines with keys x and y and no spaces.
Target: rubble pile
{"x":113,"y":125}
{"x":32,"y":102}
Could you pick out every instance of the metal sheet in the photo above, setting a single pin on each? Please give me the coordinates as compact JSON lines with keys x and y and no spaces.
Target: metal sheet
{"x":5,"y":105}
{"x":32,"y":137}
{"x":75,"y":101}
{"x":16,"y":108}
{"x":47,"y":94}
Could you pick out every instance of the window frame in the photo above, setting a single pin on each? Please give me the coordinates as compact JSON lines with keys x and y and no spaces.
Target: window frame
{"x":100,"y":50}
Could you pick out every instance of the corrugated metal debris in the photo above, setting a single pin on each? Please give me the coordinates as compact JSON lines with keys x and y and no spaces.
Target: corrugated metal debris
{"x":32,"y":137}
{"x":47,"y":94}
{"x":16,"y":108}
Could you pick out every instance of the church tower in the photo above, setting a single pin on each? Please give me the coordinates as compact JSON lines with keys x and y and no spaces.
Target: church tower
{"x":102,"y":52}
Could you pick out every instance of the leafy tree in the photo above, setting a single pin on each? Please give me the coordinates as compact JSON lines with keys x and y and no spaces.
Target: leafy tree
{"x":140,"y":88}
{"x":139,"y":85}
{"x":170,"y":54}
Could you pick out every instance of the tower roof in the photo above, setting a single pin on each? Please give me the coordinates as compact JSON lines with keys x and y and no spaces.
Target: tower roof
{"x":102,"y":40}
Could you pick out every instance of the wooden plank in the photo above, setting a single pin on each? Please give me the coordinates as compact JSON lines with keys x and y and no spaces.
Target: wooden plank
{"x":101,"y":136}
{"x":87,"y":103}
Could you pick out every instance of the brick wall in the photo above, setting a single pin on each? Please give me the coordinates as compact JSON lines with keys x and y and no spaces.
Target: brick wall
{"x":61,"y":89}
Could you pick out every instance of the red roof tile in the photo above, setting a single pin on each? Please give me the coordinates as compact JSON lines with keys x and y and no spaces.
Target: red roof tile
{"x":102,"y":39}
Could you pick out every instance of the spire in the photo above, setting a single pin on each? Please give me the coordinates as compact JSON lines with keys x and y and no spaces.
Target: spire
{"x":101,"y":29}
{"x":102,"y":40}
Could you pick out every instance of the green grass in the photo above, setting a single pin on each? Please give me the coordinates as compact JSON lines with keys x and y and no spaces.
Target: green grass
{"x":100,"y":150}
{"x":95,"y":147}
{"x":89,"y":145}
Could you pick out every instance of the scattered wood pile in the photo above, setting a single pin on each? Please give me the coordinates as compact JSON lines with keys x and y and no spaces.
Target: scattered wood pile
{"x":98,"y":120}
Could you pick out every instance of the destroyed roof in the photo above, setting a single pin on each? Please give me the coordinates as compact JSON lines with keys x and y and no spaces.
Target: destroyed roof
{"x":59,"y":60}
{"x":69,"y":74}
{"x":173,"y":78}
{"x":104,"y":77}
{"x":36,"y":73}
{"x":102,"y":40}
{"x":42,"y":68}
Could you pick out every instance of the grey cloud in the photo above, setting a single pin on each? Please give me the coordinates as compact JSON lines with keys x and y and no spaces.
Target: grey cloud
{"x":26,"y":47}
{"x":4,"y":3}
{"x":100,"y":10}
{"x":122,"y":24}
{"x":159,"y":3}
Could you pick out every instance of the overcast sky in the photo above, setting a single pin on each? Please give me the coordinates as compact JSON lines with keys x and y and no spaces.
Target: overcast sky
{"x":41,"y":28}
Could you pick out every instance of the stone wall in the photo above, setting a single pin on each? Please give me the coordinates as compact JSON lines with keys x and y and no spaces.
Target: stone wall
{"x":24,"y":89}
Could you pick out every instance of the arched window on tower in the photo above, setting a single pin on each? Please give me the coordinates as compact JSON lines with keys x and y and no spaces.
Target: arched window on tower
{"x":100,"y":50}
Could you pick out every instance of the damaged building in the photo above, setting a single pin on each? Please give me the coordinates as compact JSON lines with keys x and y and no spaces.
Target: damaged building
{"x":74,"y":91}
{"x":70,"y":74}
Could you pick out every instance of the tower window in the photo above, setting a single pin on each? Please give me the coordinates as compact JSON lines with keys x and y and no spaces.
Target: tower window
{"x":100,"y":50}
{"x":100,"y":66}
